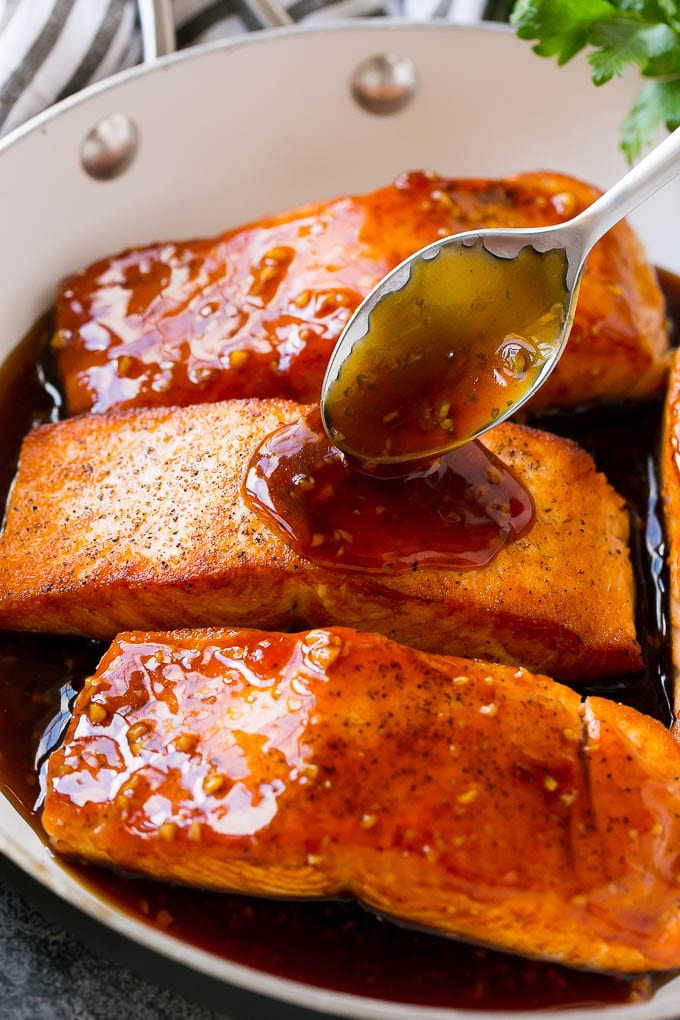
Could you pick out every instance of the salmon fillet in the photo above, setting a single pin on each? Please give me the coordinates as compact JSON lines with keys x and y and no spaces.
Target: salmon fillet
{"x":257,"y":310}
{"x":670,"y":471}
{"x":475,"y":799}
{"x":139,"y":523}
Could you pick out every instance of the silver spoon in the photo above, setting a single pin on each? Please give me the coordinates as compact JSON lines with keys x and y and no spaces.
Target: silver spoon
{"x":462,"y":333}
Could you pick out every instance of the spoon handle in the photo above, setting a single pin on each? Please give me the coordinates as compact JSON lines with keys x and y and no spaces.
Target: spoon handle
{"x":653,"y":172}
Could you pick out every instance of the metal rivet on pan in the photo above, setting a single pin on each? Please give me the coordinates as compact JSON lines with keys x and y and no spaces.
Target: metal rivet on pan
{"x":110,"y":147}
{"x":384,"y":83}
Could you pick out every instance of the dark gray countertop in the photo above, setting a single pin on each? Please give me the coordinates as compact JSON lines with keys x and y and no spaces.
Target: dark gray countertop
{"x":47,"y":974}
{"x":58,"y":964}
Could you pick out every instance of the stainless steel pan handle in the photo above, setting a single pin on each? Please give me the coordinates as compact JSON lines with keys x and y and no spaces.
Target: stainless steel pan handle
{"x":158,"y":24}
{"x":111,"y":145}
{"x":268,"y":13}
{"x":158,"y":29}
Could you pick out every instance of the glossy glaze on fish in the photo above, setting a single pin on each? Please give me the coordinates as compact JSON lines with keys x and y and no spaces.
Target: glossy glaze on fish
{"x":474,"y":799}
{"x":257,"y":310}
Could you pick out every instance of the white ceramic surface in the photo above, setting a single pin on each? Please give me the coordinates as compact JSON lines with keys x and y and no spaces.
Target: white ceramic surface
{"x":276,"y":125}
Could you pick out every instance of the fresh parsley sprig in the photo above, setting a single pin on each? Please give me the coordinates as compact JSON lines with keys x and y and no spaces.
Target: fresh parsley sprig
{"x":618,"y":33}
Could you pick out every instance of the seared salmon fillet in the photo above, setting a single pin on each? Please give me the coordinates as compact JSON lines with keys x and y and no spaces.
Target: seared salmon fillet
{"x":257,"y":310}
{"x":475,"y":799}
{"x":136,"y":520}
{"x":670,"y":467}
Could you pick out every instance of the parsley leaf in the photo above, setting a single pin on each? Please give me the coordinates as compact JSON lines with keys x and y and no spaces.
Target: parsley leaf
{"x":561,"y":27}
{"x":618,"y":33}
{"x":657,"y":103}
{"x":624,"y":40}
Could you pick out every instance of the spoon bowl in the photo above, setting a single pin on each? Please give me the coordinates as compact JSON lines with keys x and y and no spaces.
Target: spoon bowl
{"x":450,"y":343}
{"x":464,"y":332}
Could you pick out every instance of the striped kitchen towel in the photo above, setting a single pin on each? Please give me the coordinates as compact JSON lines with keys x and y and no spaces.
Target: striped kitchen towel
{"x":52,"y":48}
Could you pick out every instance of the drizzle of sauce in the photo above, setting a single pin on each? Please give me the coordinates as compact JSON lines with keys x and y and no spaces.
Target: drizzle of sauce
{"x":458,"y":346}
{"x":456,"y":512}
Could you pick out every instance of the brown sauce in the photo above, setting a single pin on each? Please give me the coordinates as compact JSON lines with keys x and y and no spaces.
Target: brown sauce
{"x":458,"y":511}
{"x":458,"y":346}
{"x":333,"y":944}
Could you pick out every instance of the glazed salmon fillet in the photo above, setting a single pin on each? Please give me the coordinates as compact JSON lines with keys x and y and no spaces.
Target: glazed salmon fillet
{"x":139,"y":522}
{"x":670,"y":464}
{"x":256,"y":311}
{"x":478,"y":800}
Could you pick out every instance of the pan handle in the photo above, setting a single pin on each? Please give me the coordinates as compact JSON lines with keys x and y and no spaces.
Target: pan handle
{"x":158,"y":29}
{"x":267,"y":13}
{"x":111,"y":145}
{"x":158,"y":24}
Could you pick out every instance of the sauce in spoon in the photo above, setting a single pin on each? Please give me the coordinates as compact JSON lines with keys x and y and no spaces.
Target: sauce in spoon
{"x":459,"y":346}
{"x":461,"y":334}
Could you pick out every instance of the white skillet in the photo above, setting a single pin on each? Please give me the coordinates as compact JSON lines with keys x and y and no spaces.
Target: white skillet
{"x":231,"y":131}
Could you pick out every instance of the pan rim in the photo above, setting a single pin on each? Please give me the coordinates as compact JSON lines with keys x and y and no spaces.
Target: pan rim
{"x":352,"y":25}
